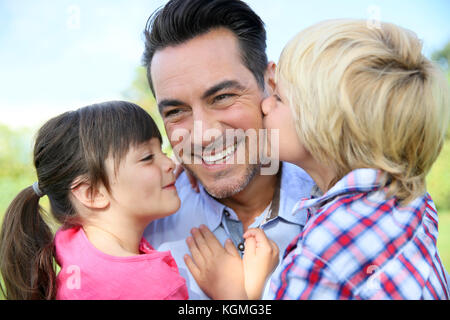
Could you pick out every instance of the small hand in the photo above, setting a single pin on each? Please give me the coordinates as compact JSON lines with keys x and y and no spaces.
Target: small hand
{"x":260,"y":259}
{"x":218,"y":270}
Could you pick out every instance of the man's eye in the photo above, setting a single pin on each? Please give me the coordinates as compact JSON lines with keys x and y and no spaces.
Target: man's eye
{"x":148,"y":158}
{"x":223,"y":97}
{"x":172,"y":112}
{"x":277,"y":97}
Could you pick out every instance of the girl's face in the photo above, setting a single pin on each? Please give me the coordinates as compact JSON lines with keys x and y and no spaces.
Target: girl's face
{"x":144,"y":184}
{"x":278,"y":115}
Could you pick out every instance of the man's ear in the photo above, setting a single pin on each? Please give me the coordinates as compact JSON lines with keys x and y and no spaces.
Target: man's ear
{"x":269,"y":78}
{"x":93,"y":198}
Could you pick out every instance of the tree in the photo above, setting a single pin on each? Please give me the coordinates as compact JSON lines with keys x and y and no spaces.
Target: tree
{"x":16,"y":167}
{"x":443,"y":57}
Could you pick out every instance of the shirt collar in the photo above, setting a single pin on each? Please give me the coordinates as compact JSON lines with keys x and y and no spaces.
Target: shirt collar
{"x":293,"y":185}
{"x":359,"y":180}
{"x":213,"y":210}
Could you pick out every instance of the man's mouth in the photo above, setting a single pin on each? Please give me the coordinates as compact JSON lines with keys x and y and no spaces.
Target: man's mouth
{"x":219,"y":157}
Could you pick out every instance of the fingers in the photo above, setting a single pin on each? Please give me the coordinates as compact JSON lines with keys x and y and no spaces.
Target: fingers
{"x":195,"y":251}
{"x":210,"y":239}
{"x":257,"y":243}
{"x":250,"y":246}
{"x":254,"y":232}
{"x":275,"y":248}
{"x":202,"y":244}
{"x":195,"y":271}
{"x":231,"y":249}
{"x":259,"y":236}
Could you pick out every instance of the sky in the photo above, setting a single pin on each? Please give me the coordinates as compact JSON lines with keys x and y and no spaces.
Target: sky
{"x":58,"y":55}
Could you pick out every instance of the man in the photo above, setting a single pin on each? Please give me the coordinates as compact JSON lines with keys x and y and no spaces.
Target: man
{"x":207,"y":67}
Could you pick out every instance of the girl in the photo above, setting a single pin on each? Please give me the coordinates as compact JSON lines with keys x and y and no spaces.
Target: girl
{"x":106,"y":178}
{"x":365,"y":114}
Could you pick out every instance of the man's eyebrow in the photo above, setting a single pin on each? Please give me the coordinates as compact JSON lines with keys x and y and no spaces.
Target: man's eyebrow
{"x":227,"y":84}
{"x":169,"y":103}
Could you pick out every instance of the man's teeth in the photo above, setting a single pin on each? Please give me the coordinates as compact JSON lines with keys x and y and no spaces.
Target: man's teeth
{"x":224,"y":155}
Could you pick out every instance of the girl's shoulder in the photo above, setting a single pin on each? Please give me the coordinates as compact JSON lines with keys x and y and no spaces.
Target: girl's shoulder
{"x":88,"y":273}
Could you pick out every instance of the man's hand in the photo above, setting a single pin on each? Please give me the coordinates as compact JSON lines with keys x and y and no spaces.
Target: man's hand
{"x":218,"y":270}
{"x":260,"y":259}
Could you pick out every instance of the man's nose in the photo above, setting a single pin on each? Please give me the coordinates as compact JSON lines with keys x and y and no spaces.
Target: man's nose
{"x":207,"y":127}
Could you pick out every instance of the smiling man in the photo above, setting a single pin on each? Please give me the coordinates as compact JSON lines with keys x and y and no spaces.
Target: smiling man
{"x":207,"y":67}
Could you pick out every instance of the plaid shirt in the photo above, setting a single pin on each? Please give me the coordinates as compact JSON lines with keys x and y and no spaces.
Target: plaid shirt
{"x":357,"y":244}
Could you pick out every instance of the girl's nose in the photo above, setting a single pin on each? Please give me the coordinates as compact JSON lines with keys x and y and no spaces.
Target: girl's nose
{"x":168,"y":164}
{"x":267,"y":105}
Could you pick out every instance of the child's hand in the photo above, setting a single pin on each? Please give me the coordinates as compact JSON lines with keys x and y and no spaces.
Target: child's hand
{"x":260,"y":259}
{"x":218,"y":270}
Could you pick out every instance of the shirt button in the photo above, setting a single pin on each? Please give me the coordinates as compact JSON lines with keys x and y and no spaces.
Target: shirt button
{"x":227,"y":213}
{"x":241,"y":246}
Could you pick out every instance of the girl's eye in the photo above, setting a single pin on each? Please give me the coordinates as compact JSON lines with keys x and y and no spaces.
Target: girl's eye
{"x":148,"y":158}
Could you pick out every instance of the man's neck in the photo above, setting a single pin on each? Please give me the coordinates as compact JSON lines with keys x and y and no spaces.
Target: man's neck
{"x":251,"y":202}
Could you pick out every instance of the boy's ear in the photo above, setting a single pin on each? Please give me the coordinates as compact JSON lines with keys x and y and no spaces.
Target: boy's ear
{"x":269,"y":78}
{"x":93,"y":198}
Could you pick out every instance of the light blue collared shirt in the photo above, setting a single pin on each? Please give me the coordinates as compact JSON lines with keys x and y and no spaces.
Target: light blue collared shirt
{"x":170,"y":233}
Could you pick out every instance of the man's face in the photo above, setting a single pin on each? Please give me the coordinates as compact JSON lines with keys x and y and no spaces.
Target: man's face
{"x":202,"y":88}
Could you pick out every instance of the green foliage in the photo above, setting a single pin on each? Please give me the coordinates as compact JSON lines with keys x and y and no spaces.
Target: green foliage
{"x":16,"y":170}
{"x":15,"y":152}
{"x":443,"y":240}
{"x":442,"y":56}
{"x":139,"y":92}
{"x":438,"y":180}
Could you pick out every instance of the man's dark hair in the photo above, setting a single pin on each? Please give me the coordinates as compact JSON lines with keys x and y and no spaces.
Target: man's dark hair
{"x":182,"y":20}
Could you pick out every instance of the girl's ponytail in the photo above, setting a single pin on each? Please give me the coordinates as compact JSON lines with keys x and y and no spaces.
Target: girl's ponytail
{"x":72,"y":145}
{"x":27,"y":250}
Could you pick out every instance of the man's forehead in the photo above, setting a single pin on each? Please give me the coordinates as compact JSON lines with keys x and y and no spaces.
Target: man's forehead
{"x":197,"y":64}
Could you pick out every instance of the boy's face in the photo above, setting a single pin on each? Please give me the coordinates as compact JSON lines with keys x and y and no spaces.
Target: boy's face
{"x":278,"y":115}
{"x":143,"y":185}
{"x":202,"y":88}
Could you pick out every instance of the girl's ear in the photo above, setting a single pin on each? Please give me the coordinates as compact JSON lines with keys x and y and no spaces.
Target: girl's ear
{"x":269,"y":78}
{"x":93,"y":198}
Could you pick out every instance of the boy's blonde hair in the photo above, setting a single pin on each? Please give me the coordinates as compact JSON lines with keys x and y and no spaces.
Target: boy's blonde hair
{"x":367,"y":98}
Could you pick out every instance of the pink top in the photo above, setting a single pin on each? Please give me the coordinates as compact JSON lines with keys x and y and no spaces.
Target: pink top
{"x":89,"y":274}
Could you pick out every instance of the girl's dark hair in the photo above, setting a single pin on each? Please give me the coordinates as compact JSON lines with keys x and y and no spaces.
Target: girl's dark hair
{"x":72,"y":145}
{"x":182,"y":20}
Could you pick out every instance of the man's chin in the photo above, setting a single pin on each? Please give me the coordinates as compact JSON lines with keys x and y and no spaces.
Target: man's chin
{"x":226,"y":184}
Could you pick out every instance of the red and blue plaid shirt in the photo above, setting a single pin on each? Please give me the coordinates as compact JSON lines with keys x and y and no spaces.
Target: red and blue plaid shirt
{"x":357,"y":244}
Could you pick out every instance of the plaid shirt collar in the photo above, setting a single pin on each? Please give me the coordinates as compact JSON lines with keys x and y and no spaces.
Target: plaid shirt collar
{"x":359,"y":180}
